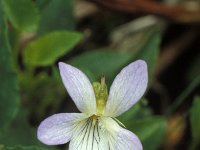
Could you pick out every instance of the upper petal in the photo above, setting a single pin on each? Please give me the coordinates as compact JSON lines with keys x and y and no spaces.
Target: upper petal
{"x":58,"y":129}
{"x":127,"y":88}
{"x":79,"y":88}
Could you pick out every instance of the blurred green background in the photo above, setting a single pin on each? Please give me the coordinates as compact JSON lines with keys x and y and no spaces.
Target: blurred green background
{"x":100,"y":37}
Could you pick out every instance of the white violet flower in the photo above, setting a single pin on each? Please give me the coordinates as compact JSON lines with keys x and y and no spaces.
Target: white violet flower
{"x":96,"y":127}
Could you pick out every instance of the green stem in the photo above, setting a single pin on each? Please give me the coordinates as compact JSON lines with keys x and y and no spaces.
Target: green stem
{"x":180,"y":99}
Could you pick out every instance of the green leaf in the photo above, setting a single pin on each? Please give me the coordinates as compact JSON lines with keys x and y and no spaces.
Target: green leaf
{"x":24,"y":148}
{"x":18,"y":127}
{"x":56,"y":15}
{"x":150,"y":131}
{"x":149,"y":52}
{"x":9,"y":90}
{"x":138,"y":111}
{"x":108,"y":63}
{"x":195,"y":119}
{"x":41,"y":3}
{"x":20,"y":132}
{"x":47,"y":49}
{"x":2,"y":147}
{"x":101,"y":62}
{"x":23,"y":15}
{"x":142,"y":37}
{"x":37,"y":96}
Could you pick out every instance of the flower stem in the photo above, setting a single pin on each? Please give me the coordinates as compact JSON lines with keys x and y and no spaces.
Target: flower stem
{"x":180,"y":99}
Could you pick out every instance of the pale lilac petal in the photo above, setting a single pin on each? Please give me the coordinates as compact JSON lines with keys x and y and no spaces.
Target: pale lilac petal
{"x":79,"y":88}
{"x":127,"y":140}
{"x":89,"y":136}
{"x":58,"y":129}
{"x":119,"y":138}
{"x":127,"y":88}
{"x":103,"y":134}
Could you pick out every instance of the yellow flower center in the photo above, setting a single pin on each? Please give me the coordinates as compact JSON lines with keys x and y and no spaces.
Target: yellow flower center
{"x":101,"y":94}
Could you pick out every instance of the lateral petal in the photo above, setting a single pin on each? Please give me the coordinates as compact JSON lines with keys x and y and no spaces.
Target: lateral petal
{"x":127,"y":88}
{"x":79,"y":88}
{"x":58,"y":129}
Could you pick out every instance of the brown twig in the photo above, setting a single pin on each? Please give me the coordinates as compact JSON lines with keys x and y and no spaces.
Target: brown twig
{"x":175,"y":13}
